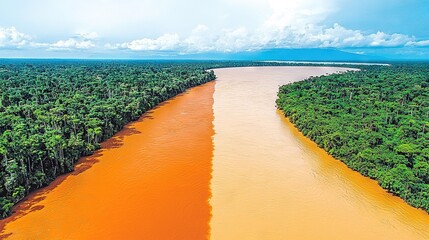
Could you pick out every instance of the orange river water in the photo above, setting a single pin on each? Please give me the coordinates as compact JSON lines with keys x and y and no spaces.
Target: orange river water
{"x":217,"y":162}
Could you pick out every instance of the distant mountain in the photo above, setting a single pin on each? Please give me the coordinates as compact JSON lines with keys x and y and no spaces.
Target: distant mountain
{"x":285,"y":55}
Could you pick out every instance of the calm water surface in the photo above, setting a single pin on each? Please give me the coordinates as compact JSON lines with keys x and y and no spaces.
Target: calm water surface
{"x":150,"y":181}
{"x":269,"y":182}
{"x":217,"y":162}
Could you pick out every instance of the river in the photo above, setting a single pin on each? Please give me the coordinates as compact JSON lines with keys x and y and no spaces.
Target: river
{"x":270,"y":182}
{"x":217,"y":162}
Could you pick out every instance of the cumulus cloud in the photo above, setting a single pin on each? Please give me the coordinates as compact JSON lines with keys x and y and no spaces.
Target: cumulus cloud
{"x":162,"y":43}
{"x":71,"y":44}
{"x":202,"y":39}
{"x":381,"y":39}
{"x":87,"y":35}
{"x":12,"y":38}
{"x":81,"y":41}
{"x":424,"y":43}
{"x":339,"y":37}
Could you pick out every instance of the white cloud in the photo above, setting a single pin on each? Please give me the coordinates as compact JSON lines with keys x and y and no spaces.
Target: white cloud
{"x":297,"y":14}
{"x":424,"y":43}
{"x":340,"y":37}
{"x":12,"y":38}
{"x":162,"y":43}
{"x":202,"y":39}
{"x":70,"y":44}
{"x":381,"y":39}
{"x":233,"y":39}
{"x":88,"y":35}
{"x":81,"y":41}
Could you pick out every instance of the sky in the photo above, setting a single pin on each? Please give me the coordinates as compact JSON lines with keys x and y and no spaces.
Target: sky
{"x":398,"y":29}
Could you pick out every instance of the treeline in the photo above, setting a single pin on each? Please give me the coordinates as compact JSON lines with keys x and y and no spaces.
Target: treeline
{"x":375,"y":120}
{"x":53,"y":113}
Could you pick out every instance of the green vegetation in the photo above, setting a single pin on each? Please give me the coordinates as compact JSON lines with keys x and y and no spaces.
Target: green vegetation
{"x":375,"y":120}
{"x":53,"y":113}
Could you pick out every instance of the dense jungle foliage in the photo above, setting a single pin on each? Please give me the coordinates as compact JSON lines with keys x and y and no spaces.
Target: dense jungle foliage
{"x":54,"y":112}
{"x":375,"y":120}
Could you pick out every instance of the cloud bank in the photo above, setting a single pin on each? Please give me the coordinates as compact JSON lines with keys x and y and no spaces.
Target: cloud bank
{"x":202,"y":39}
{"x":221,"y":25}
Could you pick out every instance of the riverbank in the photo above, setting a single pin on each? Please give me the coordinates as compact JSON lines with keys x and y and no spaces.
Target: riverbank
{"x":374,"y":121}
{"x":54,"y":112}
{"x":151,"y":181}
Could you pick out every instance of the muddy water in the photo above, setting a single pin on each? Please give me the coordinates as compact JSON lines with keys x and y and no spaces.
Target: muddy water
{"x":269,"y":182}
{"x":151,"y":181}
{"x":170,"y":176}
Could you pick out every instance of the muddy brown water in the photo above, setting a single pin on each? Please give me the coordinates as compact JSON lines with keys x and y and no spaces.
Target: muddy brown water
{"x":150,"y":181}
{"x":218,"y":162}
{"x":270,"y":182}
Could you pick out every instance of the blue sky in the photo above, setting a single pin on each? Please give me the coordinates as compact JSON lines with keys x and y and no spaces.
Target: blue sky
{"x":133,"y":28}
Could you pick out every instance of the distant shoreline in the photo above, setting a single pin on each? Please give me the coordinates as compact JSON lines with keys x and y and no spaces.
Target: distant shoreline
{"x":330,"y":63}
